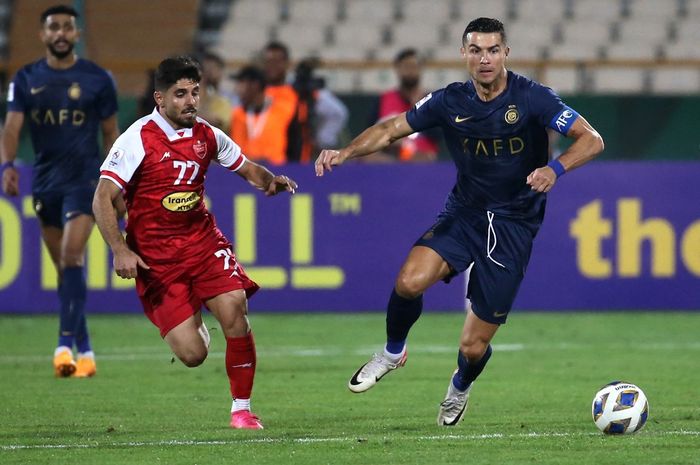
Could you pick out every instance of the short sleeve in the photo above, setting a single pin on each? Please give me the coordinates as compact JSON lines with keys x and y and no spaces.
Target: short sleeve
{"x":107,"y":98}
{"x":427,"y":112}
{"x":16,"y":92}
{"x":123,"y":159}
{"x":229,"y":154}
{"x":550,"y":111}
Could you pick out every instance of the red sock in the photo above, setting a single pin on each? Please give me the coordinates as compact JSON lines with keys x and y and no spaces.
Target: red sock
{"x":240,"y":365}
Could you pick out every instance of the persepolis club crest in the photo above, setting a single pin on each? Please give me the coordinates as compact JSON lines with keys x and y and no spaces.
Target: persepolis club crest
{"x":200,"y":149}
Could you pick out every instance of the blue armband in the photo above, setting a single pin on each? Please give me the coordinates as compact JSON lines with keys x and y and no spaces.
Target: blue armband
{"x":7,"y":164}
{"x":563,"y":120}
{"x":558,"y":168}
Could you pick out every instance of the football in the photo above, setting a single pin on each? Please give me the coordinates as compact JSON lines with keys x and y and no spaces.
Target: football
{"x":620,"y":408}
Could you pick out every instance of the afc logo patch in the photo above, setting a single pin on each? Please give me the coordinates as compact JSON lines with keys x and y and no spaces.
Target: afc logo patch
{"x":200,"y":149}
{"x":114,"y":157}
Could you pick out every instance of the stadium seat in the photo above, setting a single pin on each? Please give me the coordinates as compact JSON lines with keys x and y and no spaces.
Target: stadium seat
{"x":241,"y":40}
{"x":682,"y":51}
{"x":377,"y":80}
{"x":256,"y":12}
{"x":344,"y":53}
{"x":603,"y":10}
{"x":468,"y":10}
{"x":621,"y":80}
{"x":574,"y":49}
{"x":675,"y":81}
{"x":313,"y":12}
{"x":430,"y":13}
{"x":437,"y":78}
{"x":369,"y":11}
{"x":632,"y":51}
{"x":653,"y":9}
{"x":642,"y":30}
{"x":415,"y":33}
{"x":314,"y":38}
{"x":342,"y":81}
{"x":534,"y":11}
{"x":364,"y":35}
{"x":564,"y":81}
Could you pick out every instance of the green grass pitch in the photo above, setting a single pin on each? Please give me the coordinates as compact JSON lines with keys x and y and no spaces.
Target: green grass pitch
{"x":531,"y":404}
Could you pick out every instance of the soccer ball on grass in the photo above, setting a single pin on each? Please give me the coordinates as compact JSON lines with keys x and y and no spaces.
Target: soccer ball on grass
{"x":620,"y":408}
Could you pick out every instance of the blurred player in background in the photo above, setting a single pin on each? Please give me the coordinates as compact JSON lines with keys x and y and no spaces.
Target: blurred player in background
{"x":215,"y":107}
{"x":173,"y":248}
{"x":418,"y":147}
{"x":494,"y":126}
{"x":67,"y":101}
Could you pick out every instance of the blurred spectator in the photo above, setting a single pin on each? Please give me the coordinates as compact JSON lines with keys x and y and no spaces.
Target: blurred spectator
{"x":419,"y":147}
{"x":213,"y":106}
{"x":263,"y":126}
{"x":321,"y":115}
{"x":146,"y":104}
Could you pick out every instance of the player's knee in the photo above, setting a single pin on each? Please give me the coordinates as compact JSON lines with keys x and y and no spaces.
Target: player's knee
{"x":410,"y":285}
{"x":71,"y":259}
{"x":473,"y":349}
{"x":193,"y":358}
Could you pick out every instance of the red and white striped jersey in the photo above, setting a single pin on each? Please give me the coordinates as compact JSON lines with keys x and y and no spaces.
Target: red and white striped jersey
{"x":161,"y":171}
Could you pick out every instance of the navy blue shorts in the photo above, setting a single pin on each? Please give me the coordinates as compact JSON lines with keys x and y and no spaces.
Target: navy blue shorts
{"x":58,"y":208}
{"x":499,"y":248}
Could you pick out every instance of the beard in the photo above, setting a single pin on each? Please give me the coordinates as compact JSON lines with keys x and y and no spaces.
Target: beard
{"x":409,"y":82}
{"x":61,"y":54}
{"x":183,"y":120}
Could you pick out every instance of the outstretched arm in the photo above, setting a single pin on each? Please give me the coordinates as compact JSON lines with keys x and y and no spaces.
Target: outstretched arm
{"x":261,"y":178}
{"x":126,"y":262}
{"x":372,"y":139}
{"x":587,"y":145}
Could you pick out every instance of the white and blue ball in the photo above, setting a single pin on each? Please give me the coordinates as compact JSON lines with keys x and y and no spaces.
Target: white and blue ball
{"x":620,"y":408}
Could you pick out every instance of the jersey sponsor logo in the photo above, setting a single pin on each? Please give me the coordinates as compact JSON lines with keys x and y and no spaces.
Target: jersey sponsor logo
{"x":459,"y":119}
{"x":423,"y":100}
{"x":37,"y":90}
{"x":181,"y":201}
{"x":57,"y":117}
{"x":200,"y":148}
{"x":512,"y":116}
{"x":74,"y":91}
{"x":493,"y":147}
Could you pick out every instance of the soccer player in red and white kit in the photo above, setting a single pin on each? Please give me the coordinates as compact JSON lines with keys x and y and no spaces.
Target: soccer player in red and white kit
{"x":173,"y":248}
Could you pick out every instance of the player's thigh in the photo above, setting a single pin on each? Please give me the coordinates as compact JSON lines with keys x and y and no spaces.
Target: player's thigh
{"x":231,"y":310}
{"x":423,"y":268}
{"x":185,"y":340}
{"x":53,"y":237}
{"x":476,"y":336}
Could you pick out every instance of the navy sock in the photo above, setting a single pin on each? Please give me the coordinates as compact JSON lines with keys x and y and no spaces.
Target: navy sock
{"x":82,"y":338}
{"x":468,"y":372}
{"x":401,"y":313}
{"x":71,"y":292}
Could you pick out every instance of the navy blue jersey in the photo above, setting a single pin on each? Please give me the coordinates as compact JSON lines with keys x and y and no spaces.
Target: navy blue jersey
{"x":497,"y":144}
{"x":64,"y":109}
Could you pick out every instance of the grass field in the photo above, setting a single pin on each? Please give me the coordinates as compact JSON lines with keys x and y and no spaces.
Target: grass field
{"x":531,"y":405}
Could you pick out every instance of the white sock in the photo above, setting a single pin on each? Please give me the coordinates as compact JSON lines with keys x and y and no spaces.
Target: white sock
{"x":60,"y":349}
{"x":240,"y":404}
{"x":394,"y":358}
{"x":88,"y":354}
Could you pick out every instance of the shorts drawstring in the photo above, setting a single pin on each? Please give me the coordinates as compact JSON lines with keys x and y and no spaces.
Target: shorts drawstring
{"x":491,"y":231}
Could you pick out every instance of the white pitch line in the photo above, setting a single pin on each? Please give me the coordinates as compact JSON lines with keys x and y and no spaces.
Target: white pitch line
{"x":124,"y":354}
{"x":441,"y":437}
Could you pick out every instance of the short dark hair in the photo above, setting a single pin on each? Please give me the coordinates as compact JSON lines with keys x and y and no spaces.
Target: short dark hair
{"x":484,"y":25}
{"x":58,"y":10}
{"x":252,"y":74}
{"x":278,"y":46}
{"x":173,"y":69}
{"x":405,"y":53}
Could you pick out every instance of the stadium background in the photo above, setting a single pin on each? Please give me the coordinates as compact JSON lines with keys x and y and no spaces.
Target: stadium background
{"x":623,"y":233}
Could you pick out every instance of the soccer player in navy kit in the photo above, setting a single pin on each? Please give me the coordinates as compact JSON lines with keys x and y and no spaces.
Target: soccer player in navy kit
{"x":67,"y":100}
{"x":494,"y":126}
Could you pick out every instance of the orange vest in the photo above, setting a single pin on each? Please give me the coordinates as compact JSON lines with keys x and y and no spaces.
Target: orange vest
{"x":263,"y":136}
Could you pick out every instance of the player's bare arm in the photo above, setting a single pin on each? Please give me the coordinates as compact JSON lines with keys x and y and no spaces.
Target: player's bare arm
{"x":372,"y":139}
{"x":8,"y":152}
{"x":261,"y":178}
{"x":587,"y":145}
{"x":126,"y":262}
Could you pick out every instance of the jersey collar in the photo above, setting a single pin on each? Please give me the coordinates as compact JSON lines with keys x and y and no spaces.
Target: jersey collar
{"x":171,"y":133}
